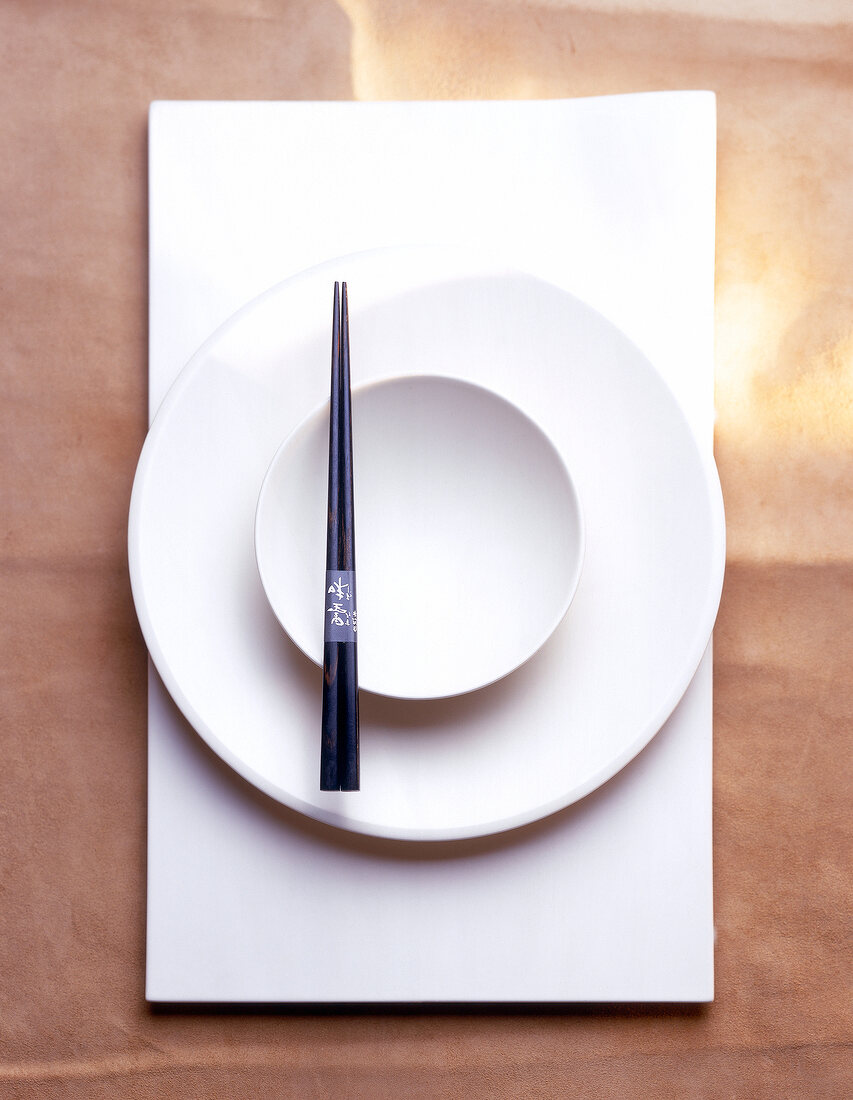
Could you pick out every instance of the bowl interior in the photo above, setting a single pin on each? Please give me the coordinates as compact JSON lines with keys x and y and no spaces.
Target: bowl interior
{"x":468,"y":533}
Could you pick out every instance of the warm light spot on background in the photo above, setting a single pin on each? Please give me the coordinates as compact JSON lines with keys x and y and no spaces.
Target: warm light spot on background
{"x":749,"y":320}
{"x":784,"y":366}
{"x":817,"y":406}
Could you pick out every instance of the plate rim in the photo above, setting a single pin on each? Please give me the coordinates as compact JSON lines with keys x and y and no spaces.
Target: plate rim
{"x":464,"y":264}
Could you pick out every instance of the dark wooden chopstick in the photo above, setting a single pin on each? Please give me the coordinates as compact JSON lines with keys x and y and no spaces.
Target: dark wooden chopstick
{"x":339,"y":757}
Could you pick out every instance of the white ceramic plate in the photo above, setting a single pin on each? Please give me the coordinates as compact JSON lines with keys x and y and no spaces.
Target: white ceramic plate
{"x":469,"y":539}
{"x":536,"y":740}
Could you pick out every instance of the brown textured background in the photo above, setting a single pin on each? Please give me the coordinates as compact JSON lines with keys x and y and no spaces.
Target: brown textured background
{"x":75,"y":82}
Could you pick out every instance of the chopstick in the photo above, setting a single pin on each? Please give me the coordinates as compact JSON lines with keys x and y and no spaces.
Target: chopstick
{"x":339,"y":757}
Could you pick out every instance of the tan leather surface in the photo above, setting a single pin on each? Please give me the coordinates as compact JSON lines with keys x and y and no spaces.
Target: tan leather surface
{"x":75,"y":82}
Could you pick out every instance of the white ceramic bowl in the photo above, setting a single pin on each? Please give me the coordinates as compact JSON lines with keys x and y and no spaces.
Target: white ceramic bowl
{"x":469,"y":537}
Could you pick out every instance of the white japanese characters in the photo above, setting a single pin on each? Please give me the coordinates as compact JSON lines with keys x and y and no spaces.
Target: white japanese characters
{"x":341,"y":614}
